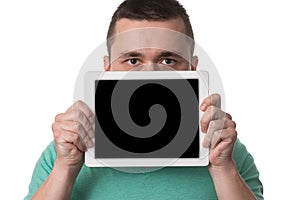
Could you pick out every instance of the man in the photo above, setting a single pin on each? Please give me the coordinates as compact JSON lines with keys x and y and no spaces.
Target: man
{"x":61,"y":174}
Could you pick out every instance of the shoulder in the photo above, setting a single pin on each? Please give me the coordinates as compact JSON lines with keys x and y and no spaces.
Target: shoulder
{"x":247,"y":169}
{"x":241,"y":155}
{"x":42,"y":169}
{"x":48,"y":156}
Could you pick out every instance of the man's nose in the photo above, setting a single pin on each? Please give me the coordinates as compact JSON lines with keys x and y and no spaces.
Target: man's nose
{"x":151,"y":67}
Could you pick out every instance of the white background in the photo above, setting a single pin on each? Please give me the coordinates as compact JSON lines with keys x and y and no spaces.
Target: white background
{"x":254,"y":44}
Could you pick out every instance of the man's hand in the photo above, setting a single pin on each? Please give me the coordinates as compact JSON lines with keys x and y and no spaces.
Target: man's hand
{"x":220,"y":137}
{"x":220,"y":132}
{"x":73,"y":133}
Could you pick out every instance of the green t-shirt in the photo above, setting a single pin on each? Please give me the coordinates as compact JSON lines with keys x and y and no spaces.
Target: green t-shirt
{"x":167,"y":183}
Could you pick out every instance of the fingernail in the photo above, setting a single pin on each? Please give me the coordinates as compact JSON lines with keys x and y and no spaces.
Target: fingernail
{"x":205,"y":144}
{"x":91,"y":133}
{"x":203,"y":107}
{"x":90,"y":144}
{"x":202,"y":129}
{"x":91,"y":119}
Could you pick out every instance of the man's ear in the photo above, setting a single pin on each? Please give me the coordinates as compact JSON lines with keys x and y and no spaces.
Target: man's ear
{"x":106,"y":63}
{"x":194,"y":63}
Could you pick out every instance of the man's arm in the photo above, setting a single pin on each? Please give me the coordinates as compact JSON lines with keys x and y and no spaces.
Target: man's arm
{"x":229,"y":184}
{"x":220,"y":137}
{"x":59,"y":183}
{"x":72,"y":133}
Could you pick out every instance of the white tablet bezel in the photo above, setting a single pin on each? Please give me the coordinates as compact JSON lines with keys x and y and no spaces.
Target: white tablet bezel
{"x":89,"y":98}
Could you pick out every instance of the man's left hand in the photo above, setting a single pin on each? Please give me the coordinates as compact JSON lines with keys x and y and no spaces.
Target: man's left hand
{"x":220,"y":132}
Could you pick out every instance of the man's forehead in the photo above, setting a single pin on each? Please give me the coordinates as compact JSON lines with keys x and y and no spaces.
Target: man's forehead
{"x":125,"y":24}
{"x":151,"y":38}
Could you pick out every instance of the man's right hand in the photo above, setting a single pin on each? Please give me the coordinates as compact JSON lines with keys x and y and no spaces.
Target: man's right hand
{"x":73,"y":133}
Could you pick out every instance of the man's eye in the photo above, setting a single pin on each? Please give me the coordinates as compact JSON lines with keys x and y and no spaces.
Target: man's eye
{"x":132,"y":61}
{"x":168,"y":62}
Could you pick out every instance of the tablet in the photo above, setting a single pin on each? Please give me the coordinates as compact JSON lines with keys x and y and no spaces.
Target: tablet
{"x":146,"y":118}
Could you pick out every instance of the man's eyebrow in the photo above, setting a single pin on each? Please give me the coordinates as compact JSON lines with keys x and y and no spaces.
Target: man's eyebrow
{"x":169,"y":54}
{"x":128,"y":54}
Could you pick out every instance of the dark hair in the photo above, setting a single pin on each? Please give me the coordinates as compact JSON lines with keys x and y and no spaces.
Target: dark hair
{"x":151,"y":10}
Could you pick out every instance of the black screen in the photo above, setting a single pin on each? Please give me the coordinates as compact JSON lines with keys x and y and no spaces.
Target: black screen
{"x":125,"y":110}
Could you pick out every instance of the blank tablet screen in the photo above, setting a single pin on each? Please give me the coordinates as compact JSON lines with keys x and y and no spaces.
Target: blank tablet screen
{"x":138,"y":118}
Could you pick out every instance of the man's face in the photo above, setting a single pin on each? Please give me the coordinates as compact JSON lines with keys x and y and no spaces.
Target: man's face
{"x":149,"y":57}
